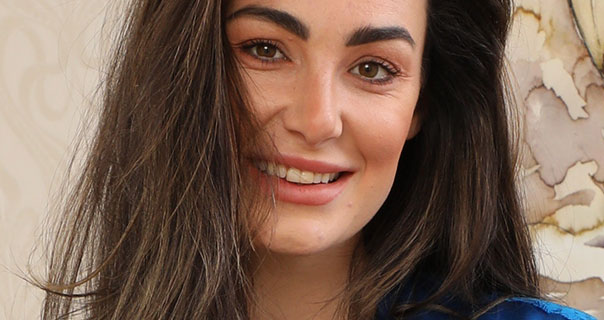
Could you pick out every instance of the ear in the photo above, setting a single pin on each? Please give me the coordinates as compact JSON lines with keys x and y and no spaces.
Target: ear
{"x":416,"y":124}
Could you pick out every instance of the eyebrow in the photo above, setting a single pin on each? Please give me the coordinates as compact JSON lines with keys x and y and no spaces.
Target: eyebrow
{"x":369,"y":34}
{"x":363,"y":35}
{"x":281,"y":18}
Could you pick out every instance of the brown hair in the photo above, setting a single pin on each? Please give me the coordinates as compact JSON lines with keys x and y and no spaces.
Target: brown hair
{"x":157,"y":226}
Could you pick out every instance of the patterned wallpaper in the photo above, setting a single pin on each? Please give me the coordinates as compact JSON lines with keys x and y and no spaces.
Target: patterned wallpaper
{"x":50,"y":62}
{"x":555,"y":53}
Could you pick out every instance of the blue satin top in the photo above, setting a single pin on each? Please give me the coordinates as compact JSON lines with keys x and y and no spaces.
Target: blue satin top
{"x":513,"y":308}
{"x":517,"y":308}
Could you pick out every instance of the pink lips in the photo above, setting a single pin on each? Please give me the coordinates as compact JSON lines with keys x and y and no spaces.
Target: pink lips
{"x":306,"y":194}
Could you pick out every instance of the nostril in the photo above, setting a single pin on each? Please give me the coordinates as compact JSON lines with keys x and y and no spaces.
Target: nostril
{"x":318,"y":128}
{"x":314,"y":115}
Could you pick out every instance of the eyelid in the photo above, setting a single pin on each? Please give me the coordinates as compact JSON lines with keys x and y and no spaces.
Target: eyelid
{"x":392,"y":70}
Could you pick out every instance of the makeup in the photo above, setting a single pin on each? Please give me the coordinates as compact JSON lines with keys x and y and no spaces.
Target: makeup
{"x":302,"y":181}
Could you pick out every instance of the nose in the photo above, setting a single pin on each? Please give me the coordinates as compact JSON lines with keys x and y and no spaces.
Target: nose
{"x":314,"y":114}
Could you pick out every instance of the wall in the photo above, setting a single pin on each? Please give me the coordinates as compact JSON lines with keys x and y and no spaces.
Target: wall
{"x":560,"y":94}
{"x":49,"y":68}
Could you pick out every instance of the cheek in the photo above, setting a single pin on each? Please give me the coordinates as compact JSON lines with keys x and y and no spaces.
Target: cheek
{"x":380,"y":135}
{"x":269,"y":91}
{"x":382,"y":150}
{"x":381,"y":131}
{"x":379,"y":138}
{"x":385,"y":139}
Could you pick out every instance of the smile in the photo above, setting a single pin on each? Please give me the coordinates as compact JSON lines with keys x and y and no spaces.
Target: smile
{"x":302,"y":181}
{"x":295,"y":175}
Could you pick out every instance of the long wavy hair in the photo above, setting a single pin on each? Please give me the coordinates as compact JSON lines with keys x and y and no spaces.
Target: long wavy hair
{"x":158,"y":225}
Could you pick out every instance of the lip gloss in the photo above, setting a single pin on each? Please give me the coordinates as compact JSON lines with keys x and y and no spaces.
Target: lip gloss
{"x":304,"y":194}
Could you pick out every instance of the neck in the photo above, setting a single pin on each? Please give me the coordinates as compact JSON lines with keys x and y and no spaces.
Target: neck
{"x":296,"y":287}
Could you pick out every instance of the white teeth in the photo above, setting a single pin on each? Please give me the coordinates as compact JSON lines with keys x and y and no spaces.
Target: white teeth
{"x":295,"y":175}
{"x":306,"y":177}
{"x":325,"y":178}
{"x":317,"y":178}
{"x":282,"y":171}
{"x":270,"y":168}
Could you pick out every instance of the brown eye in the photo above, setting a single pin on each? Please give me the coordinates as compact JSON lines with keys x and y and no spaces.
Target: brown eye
{"x":266,"y":50}
{"x":374,"y":71}
{"x":369,"y":70}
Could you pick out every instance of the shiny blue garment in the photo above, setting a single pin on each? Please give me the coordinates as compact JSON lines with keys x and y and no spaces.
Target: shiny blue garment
{"x":513,"y":308}
{"x":517,"y":308}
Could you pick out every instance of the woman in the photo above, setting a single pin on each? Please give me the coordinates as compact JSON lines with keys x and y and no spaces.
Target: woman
{"x":249,"y":163}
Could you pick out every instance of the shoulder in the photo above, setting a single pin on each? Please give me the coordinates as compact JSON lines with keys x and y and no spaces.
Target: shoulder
{"x":512,"y":308}
{"x":533,"y":309}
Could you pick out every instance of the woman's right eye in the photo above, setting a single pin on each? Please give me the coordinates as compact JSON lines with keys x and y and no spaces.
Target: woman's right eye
{"x":263,"y":50}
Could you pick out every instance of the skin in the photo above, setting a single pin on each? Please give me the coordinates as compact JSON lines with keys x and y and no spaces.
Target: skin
{"x":316,"y":100}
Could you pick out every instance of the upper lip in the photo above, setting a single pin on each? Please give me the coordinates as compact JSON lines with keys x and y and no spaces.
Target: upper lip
{"x":308,"y":164}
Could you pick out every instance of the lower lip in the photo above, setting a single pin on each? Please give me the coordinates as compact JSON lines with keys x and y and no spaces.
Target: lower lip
{"x":304,"y":194}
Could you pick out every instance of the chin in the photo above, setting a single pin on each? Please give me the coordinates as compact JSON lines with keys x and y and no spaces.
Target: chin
{"x":300,"y":239}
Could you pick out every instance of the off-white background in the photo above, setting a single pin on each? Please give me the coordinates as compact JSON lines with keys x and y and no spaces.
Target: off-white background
{"x":50,"y":62}
{"x":51,"y":53}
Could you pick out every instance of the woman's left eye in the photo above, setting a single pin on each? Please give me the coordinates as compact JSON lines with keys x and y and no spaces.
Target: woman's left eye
{"x":264,"y":50}
{"x":374,"y":71}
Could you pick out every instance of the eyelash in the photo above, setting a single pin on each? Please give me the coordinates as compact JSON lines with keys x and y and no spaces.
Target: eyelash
{"x":246,"y":47}
{"x":392,"y":71}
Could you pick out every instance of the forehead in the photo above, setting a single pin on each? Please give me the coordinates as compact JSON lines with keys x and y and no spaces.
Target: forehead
{"x":328,"y":18}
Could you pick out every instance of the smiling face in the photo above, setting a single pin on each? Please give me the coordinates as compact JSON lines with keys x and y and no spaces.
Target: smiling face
{"x":335,"y":84}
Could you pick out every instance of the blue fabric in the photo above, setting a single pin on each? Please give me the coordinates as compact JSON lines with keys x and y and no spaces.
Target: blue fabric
{"x":541,"y":309}
{"x":513,"y":308}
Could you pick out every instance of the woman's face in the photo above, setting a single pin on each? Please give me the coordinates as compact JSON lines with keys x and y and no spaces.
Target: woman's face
{"x":335,"y":84}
